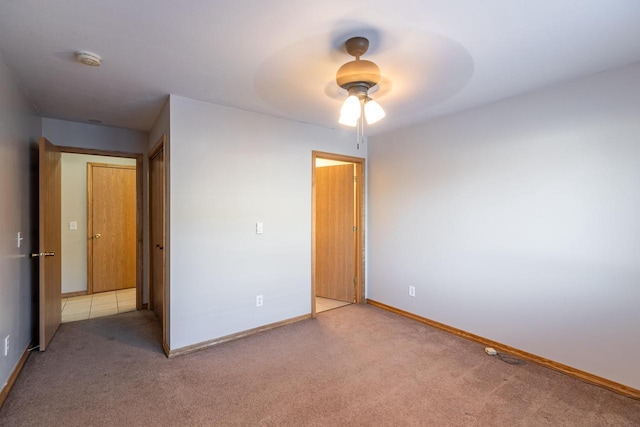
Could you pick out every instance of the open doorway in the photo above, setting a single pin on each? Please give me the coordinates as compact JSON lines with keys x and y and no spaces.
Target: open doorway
{"x":337,"y":235}
{"x":101,"y":233}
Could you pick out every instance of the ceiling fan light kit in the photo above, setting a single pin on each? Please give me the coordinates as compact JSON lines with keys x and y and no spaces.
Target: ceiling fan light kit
{"x":372,"y":111}
{"x":350,"y":111}
{"x":357,"y":77}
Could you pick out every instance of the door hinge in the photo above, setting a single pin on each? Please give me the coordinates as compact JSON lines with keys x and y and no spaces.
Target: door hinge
{"x":355,"y":280}
{"x":355,"y":178}
{"x":355,"y":229}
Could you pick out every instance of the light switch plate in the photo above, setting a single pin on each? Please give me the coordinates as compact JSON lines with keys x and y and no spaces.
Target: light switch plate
{"x":73,"y":225}
{"x":259,"y":228}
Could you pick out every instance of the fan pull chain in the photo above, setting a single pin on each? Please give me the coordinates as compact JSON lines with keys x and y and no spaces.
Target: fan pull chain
{"x":360,"y":131}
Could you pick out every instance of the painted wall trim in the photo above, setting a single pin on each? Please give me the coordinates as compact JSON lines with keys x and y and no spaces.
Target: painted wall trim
{"x":206,"y":344}
{"x":160,"y":145}
{"x":14,"y":375}
{"x":547,"y":363}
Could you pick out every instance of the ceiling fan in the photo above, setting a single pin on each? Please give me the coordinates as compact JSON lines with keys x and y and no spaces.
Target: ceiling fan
{"x":357,"y":77}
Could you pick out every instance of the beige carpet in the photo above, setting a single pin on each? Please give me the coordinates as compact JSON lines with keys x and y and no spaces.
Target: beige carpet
{"x":355,"y":365}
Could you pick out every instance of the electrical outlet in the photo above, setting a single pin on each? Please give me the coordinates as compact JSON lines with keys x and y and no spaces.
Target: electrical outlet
{"x":412,"y":291}
{"x":259,"y":301}
{"x":6,"y":346}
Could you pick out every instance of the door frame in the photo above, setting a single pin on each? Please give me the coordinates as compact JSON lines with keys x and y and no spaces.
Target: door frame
{"x":360,"y":222}
{"x":90,"y":195}
{"x":139,"y":204}
{"x":160,"y":145}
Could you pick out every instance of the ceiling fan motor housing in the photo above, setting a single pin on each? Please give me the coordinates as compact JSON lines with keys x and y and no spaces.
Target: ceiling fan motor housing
{"x":358,"y":72}
{"x":360,"y":75}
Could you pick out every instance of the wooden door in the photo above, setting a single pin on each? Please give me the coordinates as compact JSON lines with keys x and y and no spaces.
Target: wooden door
{"x":335,"y":232}
{"x":111,"y":227}
{"x":157,"y":237}
{"x":50,"y":238}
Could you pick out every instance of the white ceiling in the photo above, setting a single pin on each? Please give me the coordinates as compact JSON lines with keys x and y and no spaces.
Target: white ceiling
{"x":279,"y":57}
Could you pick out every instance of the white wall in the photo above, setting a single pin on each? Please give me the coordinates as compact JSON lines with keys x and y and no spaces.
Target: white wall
{"x":74,"y":208}
{"x":83,"y":135}
{"x":518,"y":222}
{"x":19,"y":131}
{"x":230,"y":169}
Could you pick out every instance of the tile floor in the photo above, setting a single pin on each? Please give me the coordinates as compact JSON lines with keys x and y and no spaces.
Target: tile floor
{"x":107,"y":303}
{"x":97,"y":305}
{"x":324,"y":304}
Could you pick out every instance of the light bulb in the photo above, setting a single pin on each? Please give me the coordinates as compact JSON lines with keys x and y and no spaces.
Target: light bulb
{"x":373,"y":111}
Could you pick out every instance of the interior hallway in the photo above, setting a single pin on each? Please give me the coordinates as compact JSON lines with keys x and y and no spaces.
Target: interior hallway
{"x":97,"y":305}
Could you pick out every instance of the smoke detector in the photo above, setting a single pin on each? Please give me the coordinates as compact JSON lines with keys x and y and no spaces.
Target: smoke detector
{"x":88,"y":58}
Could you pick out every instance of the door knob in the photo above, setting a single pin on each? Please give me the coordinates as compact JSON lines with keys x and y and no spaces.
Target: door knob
{"x":97,"y":236}
{"x":39,"y":254}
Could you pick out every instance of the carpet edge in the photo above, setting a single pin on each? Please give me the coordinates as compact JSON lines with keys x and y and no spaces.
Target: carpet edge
{"x":14,"y":375}
{"x":210,"y":343}
{"x":539,"y":360}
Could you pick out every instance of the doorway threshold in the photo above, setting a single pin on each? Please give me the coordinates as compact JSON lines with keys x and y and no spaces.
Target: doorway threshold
{"x":325,"y":304}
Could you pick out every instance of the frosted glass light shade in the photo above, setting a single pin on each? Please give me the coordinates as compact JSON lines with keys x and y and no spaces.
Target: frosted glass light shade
{"x":351,"y":110}
{"x":349,"y":121}
{"x":373,"y":111}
